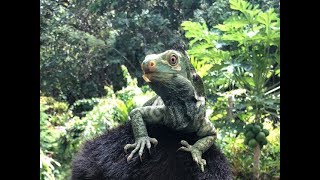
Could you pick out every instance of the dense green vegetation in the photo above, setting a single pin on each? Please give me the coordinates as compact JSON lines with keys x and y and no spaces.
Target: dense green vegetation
{"x":91,"y":78}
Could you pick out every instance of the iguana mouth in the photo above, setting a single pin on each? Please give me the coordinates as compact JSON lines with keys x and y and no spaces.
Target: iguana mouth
{"x":159,"y":76}
{"x":146,"y":78}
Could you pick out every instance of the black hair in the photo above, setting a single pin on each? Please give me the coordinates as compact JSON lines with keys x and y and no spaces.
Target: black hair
{"x":104,"y":158}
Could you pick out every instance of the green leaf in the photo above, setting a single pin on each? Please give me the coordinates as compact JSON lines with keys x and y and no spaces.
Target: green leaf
{"x":238,"y":5}
{"x":201,"y":67}
{"x":223,"y":27}
{"x":268,"y":17}
{"x":277,"y":72}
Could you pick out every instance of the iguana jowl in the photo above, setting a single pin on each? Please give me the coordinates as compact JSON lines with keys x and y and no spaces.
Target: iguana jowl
{"x":179,"y":104}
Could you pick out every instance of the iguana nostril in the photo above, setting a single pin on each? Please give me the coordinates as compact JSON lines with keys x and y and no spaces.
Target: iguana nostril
{"x":148,"y":66}
{"x":152,"y":63}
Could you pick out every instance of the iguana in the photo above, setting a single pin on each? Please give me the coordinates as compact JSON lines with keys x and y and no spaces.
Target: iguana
{"x":179,"y":104}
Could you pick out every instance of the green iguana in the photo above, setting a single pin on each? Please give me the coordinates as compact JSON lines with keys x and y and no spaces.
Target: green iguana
{"x":179,"y":104}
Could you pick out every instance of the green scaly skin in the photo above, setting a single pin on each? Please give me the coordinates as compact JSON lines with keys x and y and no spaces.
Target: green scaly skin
{"x":179,"y":104}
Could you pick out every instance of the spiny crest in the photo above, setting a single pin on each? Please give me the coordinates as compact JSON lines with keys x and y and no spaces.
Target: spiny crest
{"x":194,"y":77}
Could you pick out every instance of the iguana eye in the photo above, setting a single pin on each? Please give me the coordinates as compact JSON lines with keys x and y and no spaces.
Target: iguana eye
{"x":173,"y":60}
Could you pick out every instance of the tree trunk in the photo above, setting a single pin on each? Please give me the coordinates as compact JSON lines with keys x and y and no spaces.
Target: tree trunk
{"x":230,"y":107}
{"x":256,"y":162}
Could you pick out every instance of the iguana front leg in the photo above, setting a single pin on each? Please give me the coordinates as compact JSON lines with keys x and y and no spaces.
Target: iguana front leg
{"x":140,"y":116}
{"x":208,"y":132}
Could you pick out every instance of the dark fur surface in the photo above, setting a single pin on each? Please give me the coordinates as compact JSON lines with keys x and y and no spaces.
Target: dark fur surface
{"x":104,"y":158}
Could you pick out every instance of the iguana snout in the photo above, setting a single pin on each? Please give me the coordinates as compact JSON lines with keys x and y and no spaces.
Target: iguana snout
{"x":148,"y":66}
{"x":151,"y":69}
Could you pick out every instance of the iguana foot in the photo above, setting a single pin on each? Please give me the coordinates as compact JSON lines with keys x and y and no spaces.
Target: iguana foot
{"x":196,"y":154}
{"x":139,"y":145}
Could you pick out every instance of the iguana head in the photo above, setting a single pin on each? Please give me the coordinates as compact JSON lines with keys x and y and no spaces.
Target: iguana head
{"x":170,"y":74}
{"x":160,"y":68}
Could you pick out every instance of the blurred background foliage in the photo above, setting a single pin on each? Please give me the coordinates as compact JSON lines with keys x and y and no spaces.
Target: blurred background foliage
{"x":90,"y":55}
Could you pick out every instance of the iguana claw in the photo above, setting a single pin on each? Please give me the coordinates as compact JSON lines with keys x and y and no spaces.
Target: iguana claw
{"x":139,"y":145}
{"x":196,"y":154}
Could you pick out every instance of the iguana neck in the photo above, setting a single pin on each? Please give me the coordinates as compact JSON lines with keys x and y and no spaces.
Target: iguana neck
{"x":178,"y":95}
{"x":177,"y":89}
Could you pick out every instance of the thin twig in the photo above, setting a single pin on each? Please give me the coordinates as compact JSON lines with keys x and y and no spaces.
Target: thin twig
{"x":272,"y":90}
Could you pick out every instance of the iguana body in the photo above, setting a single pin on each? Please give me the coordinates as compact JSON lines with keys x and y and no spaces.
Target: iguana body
{"x":179,"y":104}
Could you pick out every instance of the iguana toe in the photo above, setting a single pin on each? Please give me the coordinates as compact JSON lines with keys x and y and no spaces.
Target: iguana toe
{"x":153,"y":141}
{"x":196,"y":154}
{"x":128,"y":146}
{"x":139,"y":146}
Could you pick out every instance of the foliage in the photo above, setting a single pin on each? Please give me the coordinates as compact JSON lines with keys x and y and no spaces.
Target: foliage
{"x":47,"y":166}
{"x":74,"y":46}
{"x":252,"y":59}
{"x":244,"y":55}
{"x":53,"y":115}
{"x":82,"y":106}
{"x":63,"y":131}
{"x":240,"y":155}
{"x":84,"y":43}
